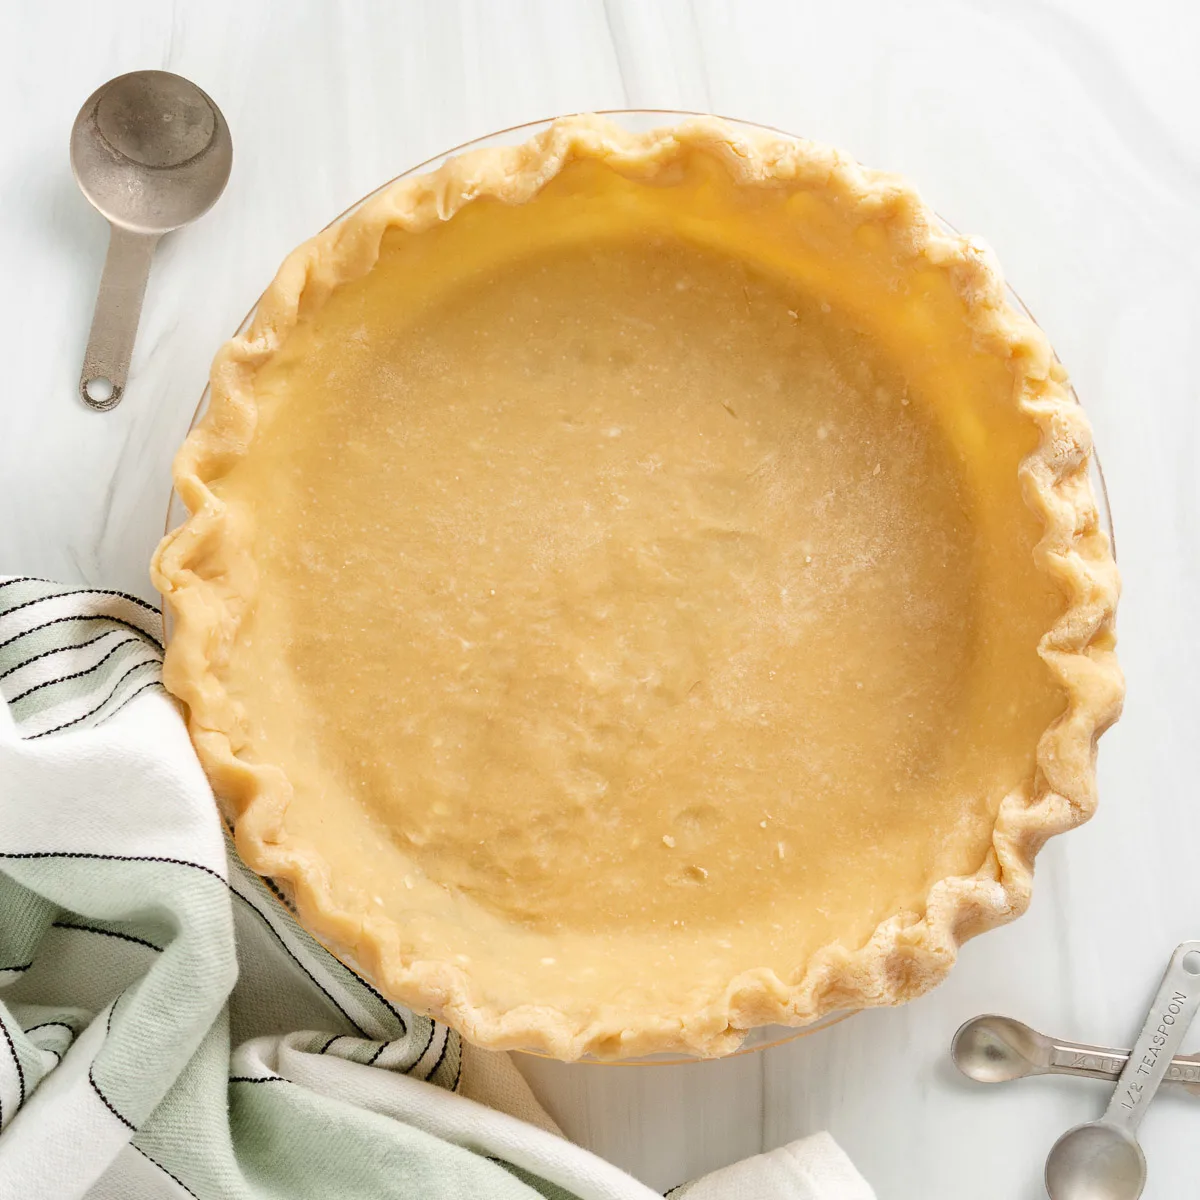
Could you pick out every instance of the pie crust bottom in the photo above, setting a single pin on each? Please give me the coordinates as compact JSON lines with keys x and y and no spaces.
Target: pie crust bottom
{"x":642,"y":587}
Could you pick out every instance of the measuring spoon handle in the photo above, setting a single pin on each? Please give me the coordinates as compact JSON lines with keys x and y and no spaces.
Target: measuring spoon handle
{"x":1167,"y":1024}
{"x":1105,"y":1063}
{"x":115,"y":322}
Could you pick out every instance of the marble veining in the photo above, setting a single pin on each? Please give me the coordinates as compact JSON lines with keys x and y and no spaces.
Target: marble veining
{"x":1063,"y":131}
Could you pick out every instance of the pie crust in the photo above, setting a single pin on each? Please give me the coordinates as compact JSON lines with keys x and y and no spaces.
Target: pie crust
{"x":640,"y":587}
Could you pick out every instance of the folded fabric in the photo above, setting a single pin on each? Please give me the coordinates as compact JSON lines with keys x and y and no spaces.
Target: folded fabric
{"x":813,"y":1168}
{"x":167,"y":1029}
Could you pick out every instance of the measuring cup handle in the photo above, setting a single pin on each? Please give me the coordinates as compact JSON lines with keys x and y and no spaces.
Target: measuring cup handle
{"x":115,"y":322}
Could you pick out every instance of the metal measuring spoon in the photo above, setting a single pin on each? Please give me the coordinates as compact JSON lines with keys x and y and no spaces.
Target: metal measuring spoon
{"x":1102,"y":1159}
{"x":151,"y":152}
{"x":993,"y":1049}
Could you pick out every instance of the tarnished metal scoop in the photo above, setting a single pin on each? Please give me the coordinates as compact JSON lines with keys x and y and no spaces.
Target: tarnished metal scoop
{"x":151,"y":152}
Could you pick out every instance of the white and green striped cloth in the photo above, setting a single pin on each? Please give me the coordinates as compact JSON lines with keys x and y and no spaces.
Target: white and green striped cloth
{"x":168,"y":1030}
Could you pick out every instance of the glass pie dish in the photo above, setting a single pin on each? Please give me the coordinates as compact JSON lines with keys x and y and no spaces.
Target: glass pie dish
{"x":634,"y":121}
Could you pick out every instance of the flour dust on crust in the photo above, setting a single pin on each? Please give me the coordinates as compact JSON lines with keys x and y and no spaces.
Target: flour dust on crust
{"x":206,"y":573}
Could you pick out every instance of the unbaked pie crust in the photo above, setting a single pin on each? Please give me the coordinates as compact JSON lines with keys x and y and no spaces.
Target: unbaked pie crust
{"x":640,"y":587}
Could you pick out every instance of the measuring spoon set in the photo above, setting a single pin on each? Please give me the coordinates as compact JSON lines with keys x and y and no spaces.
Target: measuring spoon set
{"x":1100,"y":1160}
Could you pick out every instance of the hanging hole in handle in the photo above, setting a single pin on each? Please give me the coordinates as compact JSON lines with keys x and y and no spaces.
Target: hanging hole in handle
{"x":100,"y":392}
{"x":1191,"y":962}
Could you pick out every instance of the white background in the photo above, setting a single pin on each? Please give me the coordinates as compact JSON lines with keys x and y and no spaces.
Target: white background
{"x":1066,"y":133}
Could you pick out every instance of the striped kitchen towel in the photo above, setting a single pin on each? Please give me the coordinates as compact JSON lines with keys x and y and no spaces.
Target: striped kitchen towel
{"x":69,"y":660}
{"x":168,"y":1030}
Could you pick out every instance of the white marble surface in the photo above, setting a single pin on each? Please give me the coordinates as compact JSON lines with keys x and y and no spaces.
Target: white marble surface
{"x":1065,"y":132}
